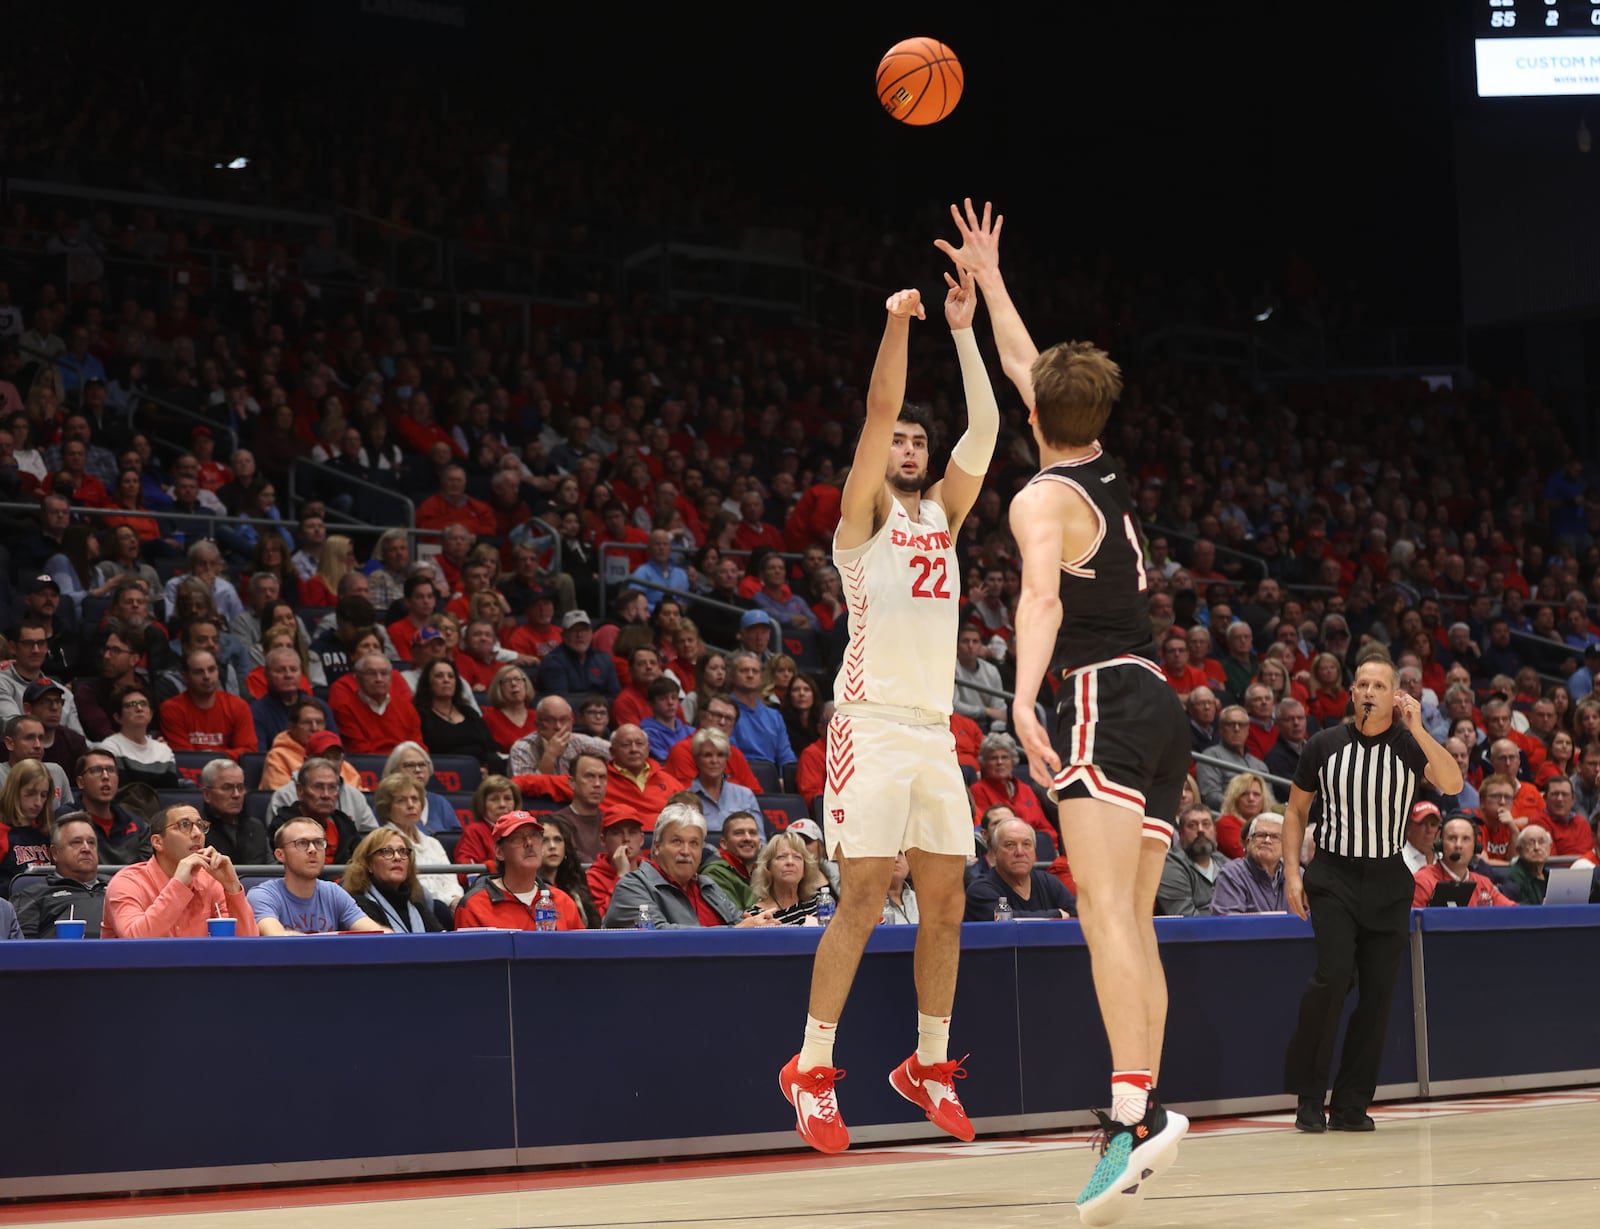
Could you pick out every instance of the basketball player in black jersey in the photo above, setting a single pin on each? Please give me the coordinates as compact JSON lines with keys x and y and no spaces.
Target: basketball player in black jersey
{"x":1122,"y":743}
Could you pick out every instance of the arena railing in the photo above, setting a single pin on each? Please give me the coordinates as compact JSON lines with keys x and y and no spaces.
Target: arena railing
{"x":274,"y":870}
{"x":1254,"y":561}
{"x":1200,"y":757}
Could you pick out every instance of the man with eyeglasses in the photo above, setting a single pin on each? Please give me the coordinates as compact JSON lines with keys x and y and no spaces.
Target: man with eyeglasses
{"x":554,"y":746}
{"x":235,"y":833}
{"x":720,"y":713}
{"x":31,"y":645}
{"x":1213,"y":778}
{"x":1254,"y":883}
{"x":46,"y":700}
{"x":317,"y":798}
{"x":182,"y":885}
{"x":118,"y":668}
{"x":124,"y":838}
{"x":375,"y":716}
{"x":302,"y":902}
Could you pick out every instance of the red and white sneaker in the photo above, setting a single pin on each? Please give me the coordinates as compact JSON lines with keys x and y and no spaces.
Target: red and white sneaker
{"x":933,"y":1091}
{"x":816,"y":1112}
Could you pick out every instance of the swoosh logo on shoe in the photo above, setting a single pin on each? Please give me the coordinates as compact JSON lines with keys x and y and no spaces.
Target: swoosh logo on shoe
{"x":805,"y":1103}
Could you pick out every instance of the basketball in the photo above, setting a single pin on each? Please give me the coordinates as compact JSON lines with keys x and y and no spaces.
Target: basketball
{"x":919,"y":81}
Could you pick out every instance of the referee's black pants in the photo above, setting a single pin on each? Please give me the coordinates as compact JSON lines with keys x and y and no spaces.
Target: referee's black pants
{"x":1360,"y":914}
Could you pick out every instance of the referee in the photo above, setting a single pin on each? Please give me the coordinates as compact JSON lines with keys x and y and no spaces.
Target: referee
{"x":1357,"y":891}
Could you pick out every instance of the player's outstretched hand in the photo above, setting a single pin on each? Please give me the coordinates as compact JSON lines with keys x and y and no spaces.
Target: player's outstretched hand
{"x":979,"y":252}
{"x":961,"y":300}
{"x":903,"y":304}
{"x":1035,"y":742}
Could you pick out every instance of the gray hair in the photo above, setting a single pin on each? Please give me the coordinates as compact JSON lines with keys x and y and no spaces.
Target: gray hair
{"x":708,"y":737}
{"x":1266,"y":817}
{"x":315,"y":763}
{"x":213,"y":770}
{"x":386,"y":537}
{"x":203,"y":547}
{"x":678,"y":813}
{"x":401,"y":750}
{"x":740,"y":654}
{"x":1286,"y":706}
{"x":997,"y":742}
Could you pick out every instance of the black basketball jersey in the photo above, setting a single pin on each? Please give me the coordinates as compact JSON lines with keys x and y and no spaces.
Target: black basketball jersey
{"x":1105,"y":612}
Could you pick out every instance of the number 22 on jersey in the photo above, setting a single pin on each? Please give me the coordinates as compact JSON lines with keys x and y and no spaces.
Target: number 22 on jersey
{"x":929,"y":567}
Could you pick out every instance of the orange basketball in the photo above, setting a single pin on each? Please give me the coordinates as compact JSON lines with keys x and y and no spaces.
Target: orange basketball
{"x":919,"y":81}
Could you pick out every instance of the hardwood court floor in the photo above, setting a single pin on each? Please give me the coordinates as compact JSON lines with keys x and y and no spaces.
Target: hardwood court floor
{"x":1522,"y":1160}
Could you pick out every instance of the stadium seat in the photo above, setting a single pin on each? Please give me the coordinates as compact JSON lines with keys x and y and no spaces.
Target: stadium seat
{"x":180,"y":798}
{"x":462,"y":802}
{"x":258,"y":804}
{"x":456,"y":774}
{"x":800,"y":643}
{"x":1044,"y":847}
{"x":766,"y":774}
{"x":370,"y":769}
{"x":190,"y":763}
{"x":451,"y":839}
{"x":781,"y":810}
{"x":253,"y":762}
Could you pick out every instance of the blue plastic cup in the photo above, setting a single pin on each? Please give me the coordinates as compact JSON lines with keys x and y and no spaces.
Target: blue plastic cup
{"x":221,"y":927}
{"x":67,"y":928}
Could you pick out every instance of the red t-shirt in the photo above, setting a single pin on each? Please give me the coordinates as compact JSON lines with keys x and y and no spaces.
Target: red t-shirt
{"x":533,"y":641}
{"x":501,"y":729}
{"x":226,"y":727}
{"x":1021,"y":799}
{"x":1573,"y":837}
{"x":1186,"y":682}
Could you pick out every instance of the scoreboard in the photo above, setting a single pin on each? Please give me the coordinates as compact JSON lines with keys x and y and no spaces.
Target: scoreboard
{"x":1537,"y":48}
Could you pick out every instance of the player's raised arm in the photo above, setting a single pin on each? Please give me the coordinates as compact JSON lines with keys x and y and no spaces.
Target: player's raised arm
{"x":864,"y":500}
{"x":1037,"y":514}
{"x":980,"y":253}
{"x":958,"y":490}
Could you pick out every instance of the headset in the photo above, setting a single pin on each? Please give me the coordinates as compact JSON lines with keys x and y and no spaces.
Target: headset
{"x":1477,"y":834}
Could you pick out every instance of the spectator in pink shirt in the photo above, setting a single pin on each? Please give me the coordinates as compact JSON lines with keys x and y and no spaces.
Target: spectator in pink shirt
{"x":183,"y":884}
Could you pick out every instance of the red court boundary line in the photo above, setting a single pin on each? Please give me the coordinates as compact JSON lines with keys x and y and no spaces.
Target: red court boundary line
{"x":388,"y":1190}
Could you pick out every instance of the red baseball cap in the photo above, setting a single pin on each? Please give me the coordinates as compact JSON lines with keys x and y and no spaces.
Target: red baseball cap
{"x":322,"y":742}
{"x":512,"y":820}
{"x":620,"y":817}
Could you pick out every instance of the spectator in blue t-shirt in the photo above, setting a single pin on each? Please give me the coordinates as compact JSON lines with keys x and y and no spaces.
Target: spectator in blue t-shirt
{"x":760,"y":731}
{"x":663,"y":726}
{"x":302,"y":903}
{"x":660,"y":569}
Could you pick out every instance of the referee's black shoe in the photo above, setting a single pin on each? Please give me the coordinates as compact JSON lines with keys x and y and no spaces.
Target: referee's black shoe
{"x":1309,"y":1116}
{"x":1350,"y":1119}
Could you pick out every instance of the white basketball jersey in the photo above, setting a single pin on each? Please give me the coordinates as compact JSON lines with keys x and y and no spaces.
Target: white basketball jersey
{"x":903,"y":590}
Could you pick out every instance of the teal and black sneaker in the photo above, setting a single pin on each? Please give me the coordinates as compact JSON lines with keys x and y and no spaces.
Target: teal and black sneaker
{"x":1131,"y":1154}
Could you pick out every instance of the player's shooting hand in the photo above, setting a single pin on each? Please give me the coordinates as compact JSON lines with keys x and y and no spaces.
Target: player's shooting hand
{"x":904,"y":304}
{"x":961,"y":300}
{"x":979,"y":252}
{"x":1035,"y":742}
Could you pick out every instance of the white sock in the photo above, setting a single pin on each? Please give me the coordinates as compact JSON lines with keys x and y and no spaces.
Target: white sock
{"x":933,"y":1039}
{"x":818,"y":1048}
{"x":1130,"y":1095}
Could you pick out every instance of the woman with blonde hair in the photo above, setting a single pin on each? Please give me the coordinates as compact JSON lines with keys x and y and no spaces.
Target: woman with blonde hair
{"x":27,"y":818}
{"x":776,"y":676}
{"x":381,"y":873}
{"x":785,"y":881}
{"x":1246,"y":797}
{"x":507,"y":713}
{"x":400,"y":803}
{"x":338,"y":557}
{"x":1328,"y":697}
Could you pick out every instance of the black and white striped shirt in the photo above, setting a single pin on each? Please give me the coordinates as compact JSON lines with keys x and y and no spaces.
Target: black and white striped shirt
{"x":1366,"y":784}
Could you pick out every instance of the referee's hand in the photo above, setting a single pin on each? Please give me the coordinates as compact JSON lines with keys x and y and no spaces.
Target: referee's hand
{"x":1294,"y":893}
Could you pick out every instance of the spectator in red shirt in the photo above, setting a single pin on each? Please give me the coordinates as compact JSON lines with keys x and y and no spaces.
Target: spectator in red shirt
{"x":1500,"y":825}
{"x":539,"y":635}
{"x":453,"y":506}
{"x":634,"y":784}
{"x":1200,"y":657}
{"x":421,"y":599}
{"x":753,"y":532}
{"x":506,"y":902}
{"x":374,"y":709}
{"x":1181,"y":676}
{"x":618,"y":538}
{"x":1569,"y":833}
{"x":719,"y":713}
{"x":632,"y":704}
{"x":1497,"y":725}
{"x":1263,"y":735}
{"x":1244,"y":799}
{"x":621,"y":848}
{"x":475,"y":660}
{"x":996,"y":784}
{"x":204,"y":717}
{"x":419,"y":432}
{"x":1457,"y":836}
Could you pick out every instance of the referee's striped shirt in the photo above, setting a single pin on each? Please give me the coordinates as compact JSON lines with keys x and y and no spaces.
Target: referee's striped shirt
{"x":1366,"y":785}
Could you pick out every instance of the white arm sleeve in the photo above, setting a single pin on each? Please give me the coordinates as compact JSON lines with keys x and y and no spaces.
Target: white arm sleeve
{"x":975,"y":449}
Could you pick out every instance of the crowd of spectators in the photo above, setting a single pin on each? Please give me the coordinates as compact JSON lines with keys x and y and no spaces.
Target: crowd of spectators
{"x":621,"y":598}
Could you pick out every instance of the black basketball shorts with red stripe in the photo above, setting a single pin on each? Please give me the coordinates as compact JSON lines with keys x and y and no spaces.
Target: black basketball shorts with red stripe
{"x":1123,"y":738}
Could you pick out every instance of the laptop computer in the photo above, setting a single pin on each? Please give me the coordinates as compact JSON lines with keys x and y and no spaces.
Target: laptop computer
{"x":1568,"y":885}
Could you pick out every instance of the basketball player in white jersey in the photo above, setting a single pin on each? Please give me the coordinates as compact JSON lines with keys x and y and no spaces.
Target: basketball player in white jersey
{"x":893,"y":782}
{"x":1122,"y":744}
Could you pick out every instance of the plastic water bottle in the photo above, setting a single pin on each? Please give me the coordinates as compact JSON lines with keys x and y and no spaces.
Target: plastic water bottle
{"x":545,"y":916}
{"x":645,"y":921}
{"x":1002,"y":910}
{"x":824,"y":906}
